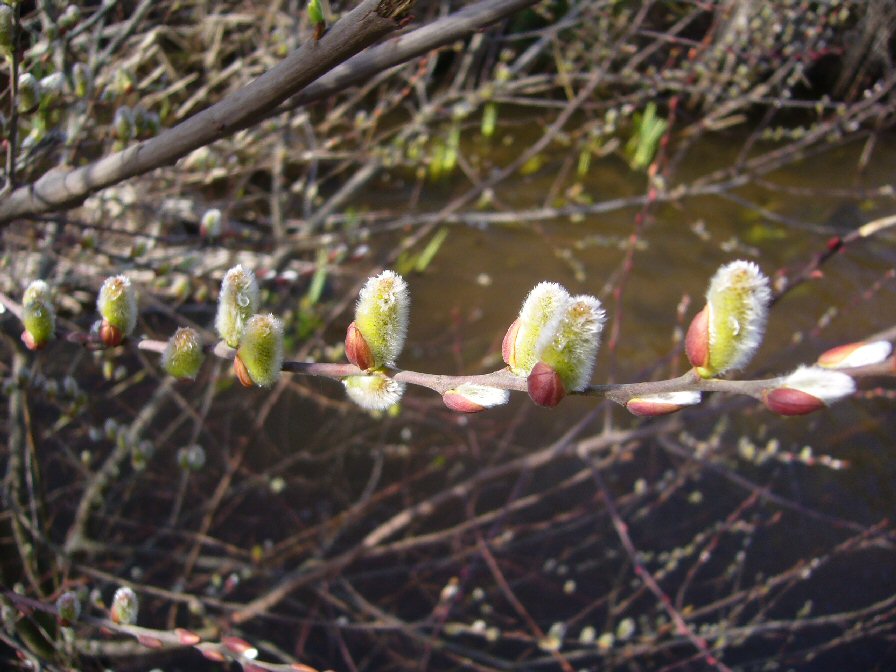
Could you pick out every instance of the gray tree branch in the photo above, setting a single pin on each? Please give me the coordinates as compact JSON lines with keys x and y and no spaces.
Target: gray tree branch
{"x":312,"y":72}
{"x":64,"y":187}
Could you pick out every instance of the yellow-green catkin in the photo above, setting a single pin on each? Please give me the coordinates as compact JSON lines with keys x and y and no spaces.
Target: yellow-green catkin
{"x":261,"y":349}
{"x":382,"y":315}
{"x":572,"y":348}
{"x":737,"y":304}
{"x":38,"y":314}
{"x":237,"y":302}
{"x":540,"y":314}
{"x":183,"y":354}
{"x":117,"y":303}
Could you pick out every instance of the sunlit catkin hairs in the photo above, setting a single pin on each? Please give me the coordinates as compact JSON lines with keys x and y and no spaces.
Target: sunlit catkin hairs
{"x":729,"y":330}
{"x":572,"y":349}
{"x":539,"y":316}
{"x":237,"y":302}
{"x":376,"y":337}
{"x":373,"y":392}
{"x":554,"y":342}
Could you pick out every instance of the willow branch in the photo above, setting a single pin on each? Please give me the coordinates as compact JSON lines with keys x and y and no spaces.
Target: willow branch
{"x":63,"y":187}
{"x":504,"y":379}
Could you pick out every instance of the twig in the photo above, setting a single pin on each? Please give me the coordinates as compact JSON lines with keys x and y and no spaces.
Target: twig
{"x":644,"y":574}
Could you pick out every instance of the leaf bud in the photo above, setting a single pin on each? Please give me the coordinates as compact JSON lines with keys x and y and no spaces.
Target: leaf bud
{"x":545,"y":385}
{"x":356,"y":349}
{"x":183,"y":354}
{"x":260,"y":353}
{"x":117,"y":304}
{"x":237,"y":302}
{"x":538,"y":319}
{"x":125,"y":606}
{"x":473,"y":398}
{"x":662,"y":404}
{"x":808,"y":389}
{"x":862,"y":353}
{"x":381,"y":319}
{"x":727,"y":332}
{"x":38,"y":315}
{"x":375,"y":392}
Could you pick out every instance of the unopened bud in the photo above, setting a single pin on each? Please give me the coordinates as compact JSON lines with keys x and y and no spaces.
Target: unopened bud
{"x":109,"y":334}
{"x":545,"y":385}
{"x":68,"y":608}
{"x":239,"y":647}
{"x":261,"y":350}
{"x":237,"y":302}
{"x":356,"y":349}
{"x":38,"y":315}
{"x":808,"y":389}
{"x":381,"y":318}
{"x":863,"y":353}
{"x":374,"y":392}
{"x":117,"y":303}
{"x":661,"y":404}
{"x":183,"y":354}
{"x":473,"y":398}
{"x":124,"y":606}
{"x":727,"y":332}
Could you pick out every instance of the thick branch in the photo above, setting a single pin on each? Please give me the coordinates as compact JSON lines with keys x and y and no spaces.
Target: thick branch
{"x":62,"y":187}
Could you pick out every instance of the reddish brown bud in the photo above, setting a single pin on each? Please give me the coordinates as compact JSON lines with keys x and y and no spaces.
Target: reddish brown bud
{"x":150,"y":642}
{"x":356,"y":348}
{"x":210,"y":652}
{"x":545,"y":386}
{"x":187,"y":637}
{"x":696,"y":343}
{"x":790,"y":401}
{"x":509,"y":342}
{"x":236,"y":645}
{"x":460,"y":403}
{"x":242,"y":372}
{"x":648,"y":408}
{"x":110,"y":335}
{"x":30,"y":343}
